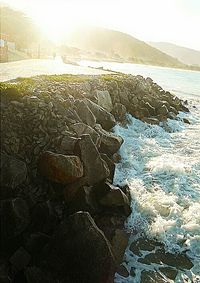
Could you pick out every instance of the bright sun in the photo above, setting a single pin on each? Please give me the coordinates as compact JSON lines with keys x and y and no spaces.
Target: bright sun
{"x":57,"y":21}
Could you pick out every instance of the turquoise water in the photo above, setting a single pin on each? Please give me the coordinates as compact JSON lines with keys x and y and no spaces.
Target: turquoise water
{"x":162,"y":169}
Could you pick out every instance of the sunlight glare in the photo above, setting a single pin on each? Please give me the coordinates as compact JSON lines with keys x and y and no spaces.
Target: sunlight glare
{"x":56,"y":21}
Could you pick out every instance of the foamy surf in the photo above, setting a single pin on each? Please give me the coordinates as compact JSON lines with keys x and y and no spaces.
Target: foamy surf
{"x":162,"y":169}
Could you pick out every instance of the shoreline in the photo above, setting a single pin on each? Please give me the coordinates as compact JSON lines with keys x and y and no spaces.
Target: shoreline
{"x":57,"y":131}
{"x":134,"y":63}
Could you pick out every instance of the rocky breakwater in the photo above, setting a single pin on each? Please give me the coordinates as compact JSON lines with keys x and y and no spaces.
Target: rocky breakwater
{"x":61,"y":217}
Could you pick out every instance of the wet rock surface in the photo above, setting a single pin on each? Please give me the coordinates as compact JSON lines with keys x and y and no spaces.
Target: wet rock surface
{"x":162,"y":265}
{"x":58,"y":155}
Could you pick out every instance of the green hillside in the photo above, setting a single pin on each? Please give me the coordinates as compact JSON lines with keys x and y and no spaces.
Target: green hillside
{"x":115,"y":44}
{"x":18,"y":27}
{"x":185,"y":55}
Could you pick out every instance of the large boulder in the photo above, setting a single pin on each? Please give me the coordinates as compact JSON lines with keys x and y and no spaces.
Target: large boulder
{"x":110,"y":143}
{"x":163,"y":110}
{"x":85,"y":113}
{"x":113,"y":228}
{"x":80,"y":200}
{"x":58,"y":168}
{"x":112,"y":198}
{"x":104,"y":99}
{"x":119,"y":244}
{"x":68,"y":143}
{"x":80,"y":252}
{"x":111,"y":166}
{"x":34,"y":274}
{"x":44,"y":218}
{"x":36,"y":243}
{"x":81,"y":129}
{"x":95,"y":168}
{"x":124,"y":98}
{"x":151,"y":277}
{"x":13,"y":171}
{"x":119,"y":111}
{"x":15,"y":218}
{"x":19,"y":260}
{"x":72,"y":116}
{"x":117,"y":201}
{"x":150,"y":108}
{"x":103,"y":117}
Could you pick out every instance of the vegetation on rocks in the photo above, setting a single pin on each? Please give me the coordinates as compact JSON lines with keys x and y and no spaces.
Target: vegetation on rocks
{"x":62,"y":217}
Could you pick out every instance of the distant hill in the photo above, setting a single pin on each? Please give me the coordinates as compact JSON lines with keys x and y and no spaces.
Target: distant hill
{"x":183,"y":54}
{"x":18,"y":27}
{"x":118,"y":45}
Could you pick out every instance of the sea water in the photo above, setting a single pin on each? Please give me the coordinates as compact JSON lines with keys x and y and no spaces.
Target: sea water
{"x":161,"y":165}
{"x":162,"y":169}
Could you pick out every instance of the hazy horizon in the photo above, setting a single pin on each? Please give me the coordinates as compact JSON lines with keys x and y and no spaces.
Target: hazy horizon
{"x":172,"y":21}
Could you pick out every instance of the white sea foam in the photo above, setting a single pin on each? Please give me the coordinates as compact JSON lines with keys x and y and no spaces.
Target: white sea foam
{"x":162,"y":170}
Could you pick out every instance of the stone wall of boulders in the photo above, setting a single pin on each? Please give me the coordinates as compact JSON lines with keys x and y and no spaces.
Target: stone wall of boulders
{"x":61,"y":217}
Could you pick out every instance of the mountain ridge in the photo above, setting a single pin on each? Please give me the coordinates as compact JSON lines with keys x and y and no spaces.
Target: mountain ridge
{"x":185,"y":55}
{"x":119,"y":45}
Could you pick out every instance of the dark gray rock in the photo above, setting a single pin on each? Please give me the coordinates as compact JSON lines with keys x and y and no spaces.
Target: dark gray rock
{"x":104,"y":99}
{"x":163,"y":110}
{"x":117,"y":200}
{"x":80,"y":252}
{"x":15,"y":219}
{"x":72,"y":116}
{"x":172,"y":115}
{"x":109,"y":223}
{"x":103,"y":117}
{"x":173,"y":110}
{"x":111,"y":166}
{"x":110,"y":143}
{"x":179,"y":261}
{"x":58,"y":168}
{"x":150,"y":108}
{"x":101,"y":189}
{"x":95,"y":168}
{"x":186,"y":121}
{"x":82,"y":200}
{"x":67,"y":144}
{"x":119,"y":111}
{"x":36,"y":243}
{"x":34,"y":274}
{"x":119,"y":244}
{"x":151,"y":277}
{"x":184,"y":108}
{"x":169,"y":272}
{"x":81,"y":129}
{"x":43,"y":218}
{"x":85,"y":113}
{"x":122,"y":271}
{"x":20,"y":259}
{"x":123,"y":98}
{"x":4,"y":272}
{"x":13,"y":171}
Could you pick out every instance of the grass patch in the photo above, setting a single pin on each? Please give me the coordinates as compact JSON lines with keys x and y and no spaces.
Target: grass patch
{"x":114,"y":77}
{"x":24,"y":86}
{"x":65,"y":78}
{"x":18,"y":88}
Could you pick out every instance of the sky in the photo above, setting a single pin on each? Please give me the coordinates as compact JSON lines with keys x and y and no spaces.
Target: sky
{"x":175,"y":21}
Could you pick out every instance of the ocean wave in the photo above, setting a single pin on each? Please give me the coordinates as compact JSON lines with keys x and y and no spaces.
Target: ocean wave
{"x":163,"y":173}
